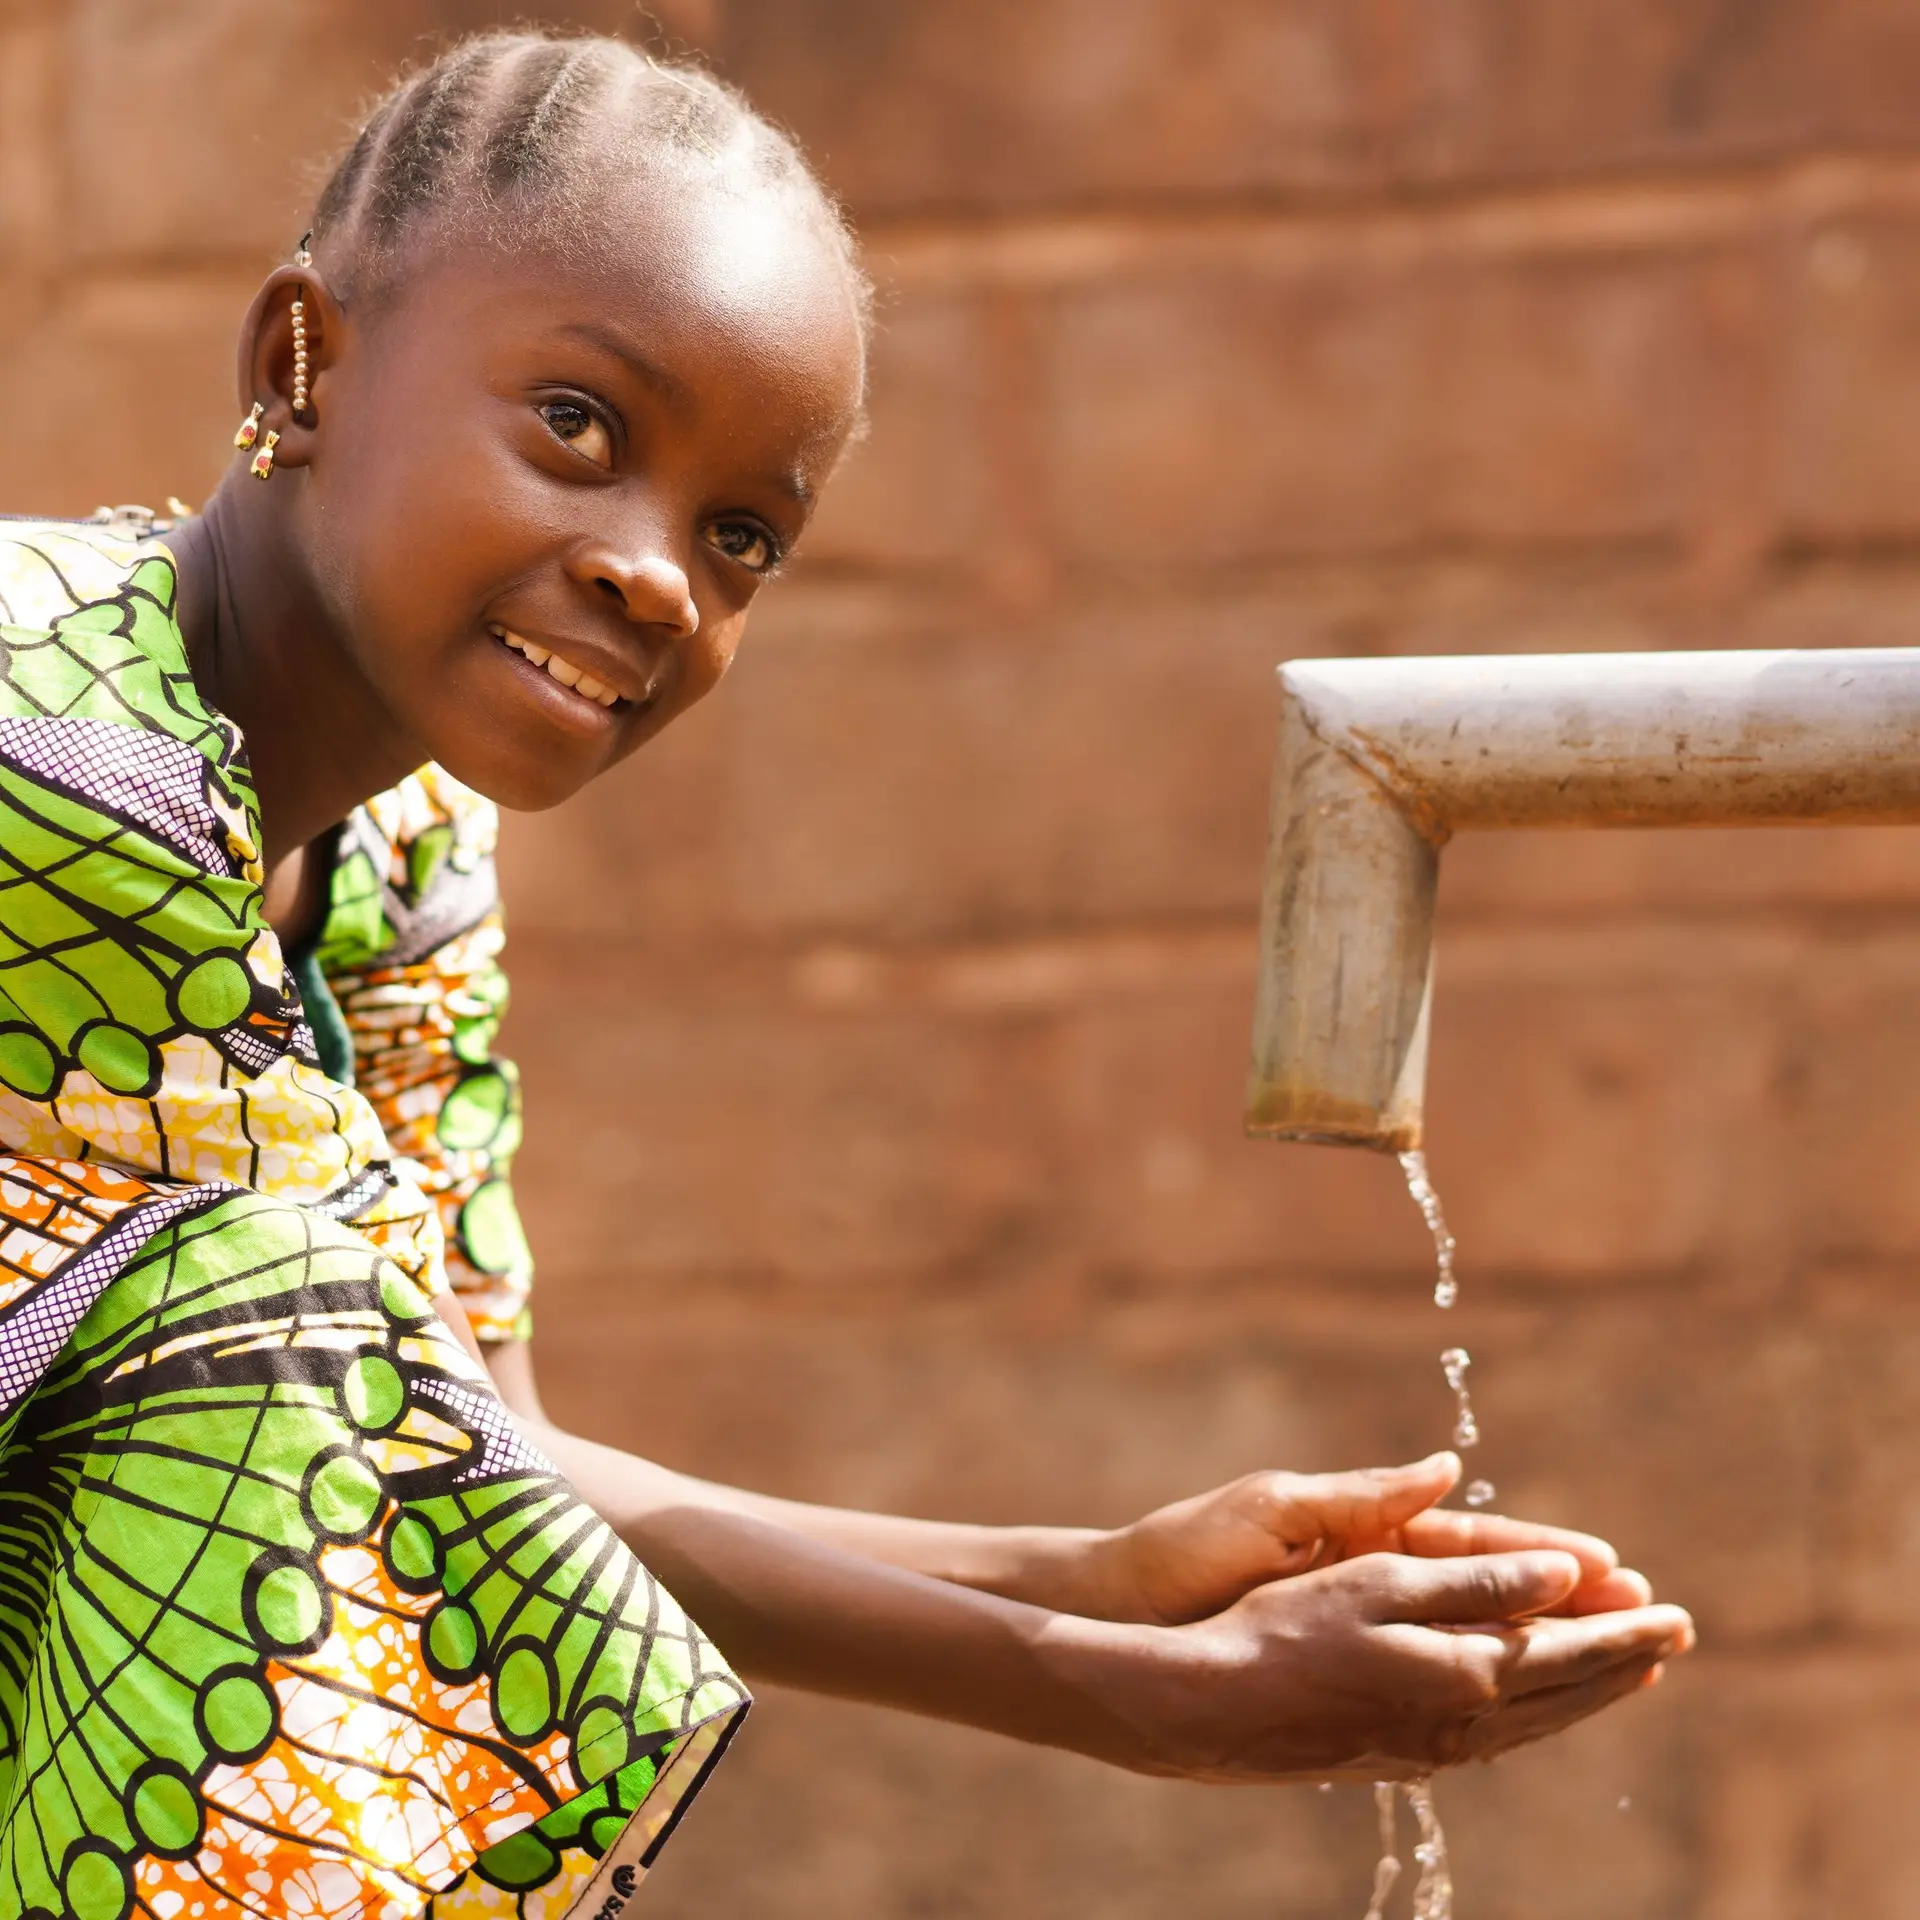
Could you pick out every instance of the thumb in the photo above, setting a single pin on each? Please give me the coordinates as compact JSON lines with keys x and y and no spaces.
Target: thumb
{"x":1396,"y":1494}
{"x":1369,"y":1501}
{"x":1482,"y":1591}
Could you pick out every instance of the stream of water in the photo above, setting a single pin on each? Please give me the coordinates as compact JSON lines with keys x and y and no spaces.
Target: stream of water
{"x":1433,"y":1890}
{"x":1446,"y":1294}
{"x":1386,"y":1871}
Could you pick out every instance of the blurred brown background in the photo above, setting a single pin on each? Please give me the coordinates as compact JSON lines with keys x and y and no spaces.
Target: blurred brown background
{"x":884,"y":1027}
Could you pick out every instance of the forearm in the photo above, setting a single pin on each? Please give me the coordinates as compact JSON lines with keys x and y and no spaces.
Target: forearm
{"x":1041,"y":1566}
{"x":791,"y":1607}
{"x":1054,"y":1567}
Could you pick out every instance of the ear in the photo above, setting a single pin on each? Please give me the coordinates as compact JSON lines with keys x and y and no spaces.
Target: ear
{"x":267,"y":357}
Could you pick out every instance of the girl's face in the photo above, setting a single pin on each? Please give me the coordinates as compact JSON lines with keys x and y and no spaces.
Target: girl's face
{"x":545,"y":486}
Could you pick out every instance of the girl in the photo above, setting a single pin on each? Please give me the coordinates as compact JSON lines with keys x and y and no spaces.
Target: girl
{"x":307,"y":1609}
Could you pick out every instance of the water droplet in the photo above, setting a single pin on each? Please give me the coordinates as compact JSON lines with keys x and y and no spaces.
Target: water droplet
{"x":1626,"y":1804}
{"x":1454,"y":1363}
{"x":1480,"y":1493}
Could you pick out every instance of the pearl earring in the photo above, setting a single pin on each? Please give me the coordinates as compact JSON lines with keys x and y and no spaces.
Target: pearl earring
{"x":301,"y":258}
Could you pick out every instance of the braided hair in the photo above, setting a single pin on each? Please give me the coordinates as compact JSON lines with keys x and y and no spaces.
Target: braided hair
{"x":503,"y":125}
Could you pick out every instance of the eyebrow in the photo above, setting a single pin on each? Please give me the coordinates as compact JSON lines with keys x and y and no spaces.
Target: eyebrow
{"x":644,"y":370}
{"x":793,"y":483}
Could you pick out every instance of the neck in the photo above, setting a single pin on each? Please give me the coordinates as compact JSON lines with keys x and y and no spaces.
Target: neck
{"x":265,"y":652}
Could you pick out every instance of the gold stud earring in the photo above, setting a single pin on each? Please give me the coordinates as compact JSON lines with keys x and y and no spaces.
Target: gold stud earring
{"x":263,"y":460}
{"x":249,"y":428}
{"x":301,"y":258}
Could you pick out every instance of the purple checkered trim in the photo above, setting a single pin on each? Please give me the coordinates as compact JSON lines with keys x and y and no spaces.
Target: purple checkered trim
{"x":352,"y":1198}
{"x":142,"y":776}
{"x":503,"y":1450}
{"x":39,"y":1325}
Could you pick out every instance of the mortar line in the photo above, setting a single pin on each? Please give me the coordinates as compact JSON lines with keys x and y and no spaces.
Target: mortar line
{"x":1653,"y":210}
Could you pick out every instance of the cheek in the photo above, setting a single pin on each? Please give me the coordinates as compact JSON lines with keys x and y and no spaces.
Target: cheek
{"x":410,"y":525}
{"x":702,"y":667}
{"x":712,"y":654}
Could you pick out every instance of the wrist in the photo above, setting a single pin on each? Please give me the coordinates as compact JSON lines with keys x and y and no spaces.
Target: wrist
{"x":1068,"y":1570}
{"x":1145,"y":1694}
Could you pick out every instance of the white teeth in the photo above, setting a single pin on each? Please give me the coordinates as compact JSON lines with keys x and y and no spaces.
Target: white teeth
{"x":562,"y":670}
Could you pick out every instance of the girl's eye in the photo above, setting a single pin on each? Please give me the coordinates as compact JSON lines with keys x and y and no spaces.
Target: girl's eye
{"x":578,"y":426}
{"x":746,"y":542}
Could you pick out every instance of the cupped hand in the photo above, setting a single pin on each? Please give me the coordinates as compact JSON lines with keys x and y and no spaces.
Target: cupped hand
{"x":1189,"y":1560}
{"x":1388,"y":1667}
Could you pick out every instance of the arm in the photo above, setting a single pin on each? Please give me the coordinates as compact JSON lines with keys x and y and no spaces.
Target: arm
{"x":1038,"y":1565}
{"x":1357,"y":1668}
{"x":1179,"y":1564}
{"x":1354,"y":1668}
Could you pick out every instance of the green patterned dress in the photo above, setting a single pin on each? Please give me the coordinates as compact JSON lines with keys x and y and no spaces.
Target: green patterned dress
{"x":293,"y":1622}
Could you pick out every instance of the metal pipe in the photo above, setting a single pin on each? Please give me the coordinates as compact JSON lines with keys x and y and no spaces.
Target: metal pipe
{"x":1381,"y":760}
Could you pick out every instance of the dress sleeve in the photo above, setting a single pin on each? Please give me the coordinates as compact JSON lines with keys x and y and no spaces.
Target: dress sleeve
{"x":412,"y":959}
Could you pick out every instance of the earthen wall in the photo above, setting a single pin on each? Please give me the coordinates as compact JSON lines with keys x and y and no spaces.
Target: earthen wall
{"x":884,"y":1027}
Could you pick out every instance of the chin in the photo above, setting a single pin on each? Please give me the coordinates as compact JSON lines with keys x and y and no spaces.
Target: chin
{"x":526,"y":782}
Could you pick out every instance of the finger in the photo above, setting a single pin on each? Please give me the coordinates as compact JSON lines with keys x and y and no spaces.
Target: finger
{"x":1566,"y":1652}
{"x":1371,"y":1501}
{"x":1618,"y":1592}
{"x":1540,"y":1714}
{"x":1446,"y":1533}
{"x":1483,"y":1590}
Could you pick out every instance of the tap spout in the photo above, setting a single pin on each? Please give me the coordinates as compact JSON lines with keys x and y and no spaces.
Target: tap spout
{"x":1381,"y":760}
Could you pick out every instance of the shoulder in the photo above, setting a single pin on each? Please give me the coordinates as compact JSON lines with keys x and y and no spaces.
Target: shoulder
{"x":88,"y":631}
{"x":414,"y":870}
{"x":98,"y":705}
{"x":88,"y":581}
{"x":430,"y":810}
{"x":50,"y":569}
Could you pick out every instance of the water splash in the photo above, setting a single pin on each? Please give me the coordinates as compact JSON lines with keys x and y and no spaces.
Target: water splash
{"x":1446,"y":1289}
{"x":1387,"y":1869}
{"x":1433,"y":1892}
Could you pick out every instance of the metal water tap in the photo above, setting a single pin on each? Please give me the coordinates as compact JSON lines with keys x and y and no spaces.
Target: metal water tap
{"x":1382,"y":760}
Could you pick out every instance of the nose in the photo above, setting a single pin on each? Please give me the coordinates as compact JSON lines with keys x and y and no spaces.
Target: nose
{"x":647,"y":582}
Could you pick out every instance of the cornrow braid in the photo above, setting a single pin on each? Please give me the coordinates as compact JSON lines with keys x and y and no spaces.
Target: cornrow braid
{"x":424,"y":138}
{"x":552,"y":84}
{"x":504,"y":122}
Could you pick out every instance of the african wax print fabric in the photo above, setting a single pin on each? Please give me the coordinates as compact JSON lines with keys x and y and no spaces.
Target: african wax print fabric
{"x":293,"y":1620}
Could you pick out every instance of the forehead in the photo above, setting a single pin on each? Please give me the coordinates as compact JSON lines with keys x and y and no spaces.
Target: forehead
{"x":729,"y":291}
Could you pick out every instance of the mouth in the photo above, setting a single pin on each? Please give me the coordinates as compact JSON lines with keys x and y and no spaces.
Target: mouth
{"x":576,"y":680}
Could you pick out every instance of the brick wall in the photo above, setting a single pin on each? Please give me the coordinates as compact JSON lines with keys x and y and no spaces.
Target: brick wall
{"x":897,"y":1003}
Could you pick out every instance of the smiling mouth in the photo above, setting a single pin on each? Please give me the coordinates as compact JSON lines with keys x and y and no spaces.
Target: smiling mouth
{"x":573,"y":678}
